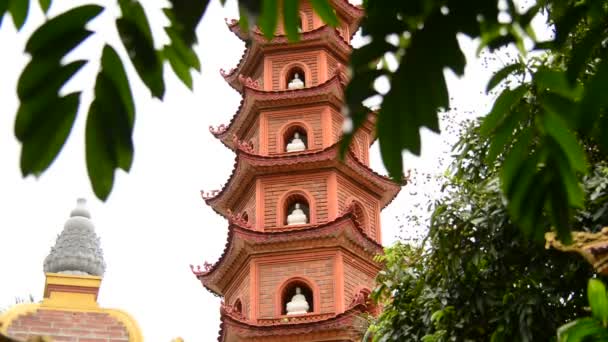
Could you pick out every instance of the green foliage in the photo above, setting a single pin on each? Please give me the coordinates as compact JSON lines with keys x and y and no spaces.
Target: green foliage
{"x":567,"y":91}
{"x":109,"y":124}
{"x":476,"y":276}
{"x":593,"y":328}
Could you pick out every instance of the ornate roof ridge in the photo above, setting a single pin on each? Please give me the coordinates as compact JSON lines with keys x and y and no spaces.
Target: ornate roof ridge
{"x":327,"y":153}
{"x":208,"y":268}
{"x":222,"y":130}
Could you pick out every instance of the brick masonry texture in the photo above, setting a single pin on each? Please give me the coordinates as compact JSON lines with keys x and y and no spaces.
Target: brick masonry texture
{"x":66,"y":326}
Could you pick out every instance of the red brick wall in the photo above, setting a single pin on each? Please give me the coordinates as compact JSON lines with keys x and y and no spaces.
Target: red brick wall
{"x":280,"y":60}
{"x":275,"y":187}
{"x":346,"y":190}
{"x":354,"y":279}
{"x":65,"y":326}
{"x":306,"y":9}
{"x":311,"y":116}
{"x":253,"y":135}
{"x":247,"y":204}
{"x":240,"y":291}
{"x":271,"y":275}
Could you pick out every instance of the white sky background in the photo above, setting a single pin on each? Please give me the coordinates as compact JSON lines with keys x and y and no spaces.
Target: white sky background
{"x":155,"y":223}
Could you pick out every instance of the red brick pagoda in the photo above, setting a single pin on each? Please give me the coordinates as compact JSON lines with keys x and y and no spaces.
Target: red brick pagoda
{"x":304,"y":225}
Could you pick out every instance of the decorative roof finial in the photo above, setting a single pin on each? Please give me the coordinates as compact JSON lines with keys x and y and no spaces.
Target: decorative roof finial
{"x":77,"y":249}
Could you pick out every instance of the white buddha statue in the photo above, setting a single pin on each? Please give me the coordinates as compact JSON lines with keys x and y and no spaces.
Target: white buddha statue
{"x":297,"y":216}
{"x":296,"y":83}
{"x":298,"y":304}
{"x":296,"y":144}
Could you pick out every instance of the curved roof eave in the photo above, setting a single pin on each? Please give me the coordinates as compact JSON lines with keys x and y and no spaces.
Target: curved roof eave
{"x":252,"y":96}
{"x":237,"y":231}
{"x":243,"y":159}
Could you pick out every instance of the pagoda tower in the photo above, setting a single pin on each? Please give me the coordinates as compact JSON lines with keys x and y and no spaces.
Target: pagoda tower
{"x":304,"y":225}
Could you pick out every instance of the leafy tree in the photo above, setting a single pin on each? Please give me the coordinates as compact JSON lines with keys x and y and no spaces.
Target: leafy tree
{"x":476,"y":276}
{"x":421,"y":36}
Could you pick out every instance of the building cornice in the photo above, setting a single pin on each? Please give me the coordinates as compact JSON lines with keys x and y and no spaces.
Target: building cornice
{"x":242,"y":243}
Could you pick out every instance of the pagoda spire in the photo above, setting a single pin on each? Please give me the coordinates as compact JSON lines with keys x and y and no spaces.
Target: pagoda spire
{"x":77,"y":249}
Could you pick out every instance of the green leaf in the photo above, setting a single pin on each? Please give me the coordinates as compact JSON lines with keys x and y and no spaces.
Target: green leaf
{"x":18,"y":10}
{"x":503,"y":135}
{"x":66,"y":27}
{"x":243,"y":19}
{"x":185,"y":18}
{"x":47,"y":134}
{"x":501,"y":109}
{"x":3,"y":8}
{"x":553,"y":80}
{"x":598,"y":300}
{"x":45,"y":73}
{"x":44,"y":5}
{"x":503,"y":73}
{"x":369,"y":53}
{"x":185,"y":53}
{"x":558,"y":129}
{"x":291,"y":19}
{"x":580,"y":330}
{"x":181,"y":70}
{"x":325,"y":11}
{"x":268,"y":18}
{"x":136,"y":36}
{"x":581,"y":51}
{"x":109,"y":127}
{"x":594,"y":99}
{"x":568,"y":178}
{"x":113,"y":69}
{"x":515,"y":158}
{"x":562,"y":107}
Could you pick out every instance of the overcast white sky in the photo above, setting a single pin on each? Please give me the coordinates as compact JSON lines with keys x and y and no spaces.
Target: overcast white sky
{"x":154,"y":224}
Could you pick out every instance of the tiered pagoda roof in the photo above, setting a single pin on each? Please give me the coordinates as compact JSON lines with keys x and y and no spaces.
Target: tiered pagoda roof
{"x":248,"y":166}
{"x":344,"y":236}
{"x":243,"y":242}
{"x":255,"y":99}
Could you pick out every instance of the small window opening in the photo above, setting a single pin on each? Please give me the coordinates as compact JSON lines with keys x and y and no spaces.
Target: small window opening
{"x":238,"y":307}
{"x":245,"y":217}
{"x":297,"y":210}
{"x":295,"y":139}
{"x":295,"y":301}
{"x":295,"y":78}
{"x":360,"y":214}
{"x":300,"y":26}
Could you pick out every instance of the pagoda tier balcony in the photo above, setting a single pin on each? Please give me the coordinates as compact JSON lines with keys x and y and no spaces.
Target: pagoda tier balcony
{"x":340,"y":239}
{"x":255,"y":100}
{"x":324,"y":38}
{"x":249,"y":167}
{"x":347,"y":326}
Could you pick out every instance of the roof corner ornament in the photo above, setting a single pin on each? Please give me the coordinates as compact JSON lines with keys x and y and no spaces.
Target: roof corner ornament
{"x":219,"y":130}
{"x":249,"y":82}
{"x":207,"y":195}
{"x":246,"y":146}
{"x":239,"y":219}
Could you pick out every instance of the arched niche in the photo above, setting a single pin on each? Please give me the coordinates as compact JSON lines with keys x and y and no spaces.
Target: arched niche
{"x":245,"y":216}
{"x":286,"y":133}
{"x":238,"y":307}
{"x":365,"y":293}
{"x":287,"y":289}
{"x":360,"y":214}
{"x":288,"y":201}
{"x":288,"y":72}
